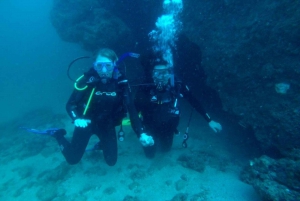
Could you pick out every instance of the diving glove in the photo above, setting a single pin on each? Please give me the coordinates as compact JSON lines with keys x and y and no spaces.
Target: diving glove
{"x":146,"y":140}
{"x":82,"y":122}
{"x":215,"y":126}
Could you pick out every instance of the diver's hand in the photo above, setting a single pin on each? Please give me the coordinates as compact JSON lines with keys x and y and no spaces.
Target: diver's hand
{"x":146,"y":140}
{"x":215,"y":126}
{"x":82,"y":122}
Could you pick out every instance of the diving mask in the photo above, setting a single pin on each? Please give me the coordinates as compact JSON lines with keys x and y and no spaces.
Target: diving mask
{"x":161,"y":74}
{"x":161,"y":78}
{"x":104,"y":66}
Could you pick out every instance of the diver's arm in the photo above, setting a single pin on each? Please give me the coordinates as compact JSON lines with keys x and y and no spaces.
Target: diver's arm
{"x":133,"y":115}
{"x":138,"y":100}
{"x":72,"y":104}
{"x":215,"y":126}
{"x":195,"y":103}
{"x":77,"y":96}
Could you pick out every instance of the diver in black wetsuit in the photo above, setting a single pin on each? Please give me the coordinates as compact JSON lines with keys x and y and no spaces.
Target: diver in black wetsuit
{"x":158,"y":104}
{"x":98,"y":104}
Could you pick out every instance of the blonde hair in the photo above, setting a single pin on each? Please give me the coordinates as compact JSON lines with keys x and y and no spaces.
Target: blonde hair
{"x":108,"y":53}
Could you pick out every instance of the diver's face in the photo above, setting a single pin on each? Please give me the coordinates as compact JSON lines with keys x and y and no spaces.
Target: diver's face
{"x":104,"y":67}
{"x":161,"y":75}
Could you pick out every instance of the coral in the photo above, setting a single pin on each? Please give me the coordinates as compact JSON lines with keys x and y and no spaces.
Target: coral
{"x":192,"y":162}
{"x":274,"y":179}
{"x":282,"y":88}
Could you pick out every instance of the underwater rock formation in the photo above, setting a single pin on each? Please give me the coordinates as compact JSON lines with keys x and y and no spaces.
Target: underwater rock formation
{"x":274,"y":180}
{"x":88,"y":24}
{"x":248,"y":48}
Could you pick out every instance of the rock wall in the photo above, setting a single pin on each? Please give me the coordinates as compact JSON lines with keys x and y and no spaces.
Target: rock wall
{"x":89,"y":24}
{"x":248,"y":48}
{"x":274,"y":180}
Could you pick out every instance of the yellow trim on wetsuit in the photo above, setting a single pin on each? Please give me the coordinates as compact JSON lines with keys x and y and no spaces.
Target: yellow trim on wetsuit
{"x":126,"y":122}
{"x":75,"y":84}
{"x":89,"y":101}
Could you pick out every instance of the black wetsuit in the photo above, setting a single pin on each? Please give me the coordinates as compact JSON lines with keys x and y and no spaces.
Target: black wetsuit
{"x":160,"y":112}
{"x":108,"y":105}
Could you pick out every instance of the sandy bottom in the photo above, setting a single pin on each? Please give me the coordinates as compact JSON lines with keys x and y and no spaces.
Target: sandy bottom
{"x":32,"y":168}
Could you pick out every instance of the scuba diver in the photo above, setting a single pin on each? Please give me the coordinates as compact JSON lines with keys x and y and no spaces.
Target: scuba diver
{"x":158,"y":104}
{"x":99,"y":102}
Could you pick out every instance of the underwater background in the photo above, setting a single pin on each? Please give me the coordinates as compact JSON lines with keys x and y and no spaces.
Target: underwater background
{"x":241,"y":59}
{"x":33,"y":59}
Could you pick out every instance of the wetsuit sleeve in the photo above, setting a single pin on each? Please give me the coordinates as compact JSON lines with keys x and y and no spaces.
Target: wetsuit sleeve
{"x":73,"y":104}
{"x":138,"y":100}
{"x":133,"y":114}
{"x":194,"y":101}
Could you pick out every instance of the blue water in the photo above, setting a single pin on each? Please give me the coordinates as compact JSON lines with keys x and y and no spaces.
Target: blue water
{"x":33,"y":59}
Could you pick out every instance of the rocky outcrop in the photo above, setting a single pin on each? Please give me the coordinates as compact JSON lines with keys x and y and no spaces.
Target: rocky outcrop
{"x":251,"y":55}
{"x":274,"y":180}
{"x":248,"y":48}
{"x":89,"y":24}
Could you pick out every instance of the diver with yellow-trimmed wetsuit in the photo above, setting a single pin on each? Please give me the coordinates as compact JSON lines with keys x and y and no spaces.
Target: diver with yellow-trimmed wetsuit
{"x":99,"y":102}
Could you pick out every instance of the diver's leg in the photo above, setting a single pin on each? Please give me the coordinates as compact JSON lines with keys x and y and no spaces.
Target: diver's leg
{"x":74,"y":151}
{"x":167,"y":140}
{"x":109,"y":144}
{"x":167,"y":134}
